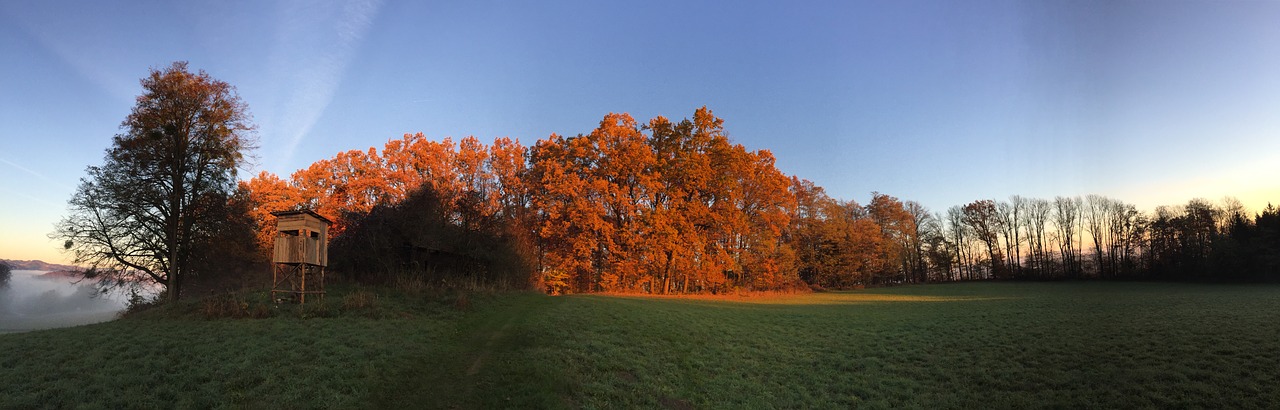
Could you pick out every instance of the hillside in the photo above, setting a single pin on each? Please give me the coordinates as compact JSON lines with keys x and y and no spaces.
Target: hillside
{"x":37,"y":265}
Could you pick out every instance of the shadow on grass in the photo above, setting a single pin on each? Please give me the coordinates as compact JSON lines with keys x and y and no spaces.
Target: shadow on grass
{"x":487,"y":361}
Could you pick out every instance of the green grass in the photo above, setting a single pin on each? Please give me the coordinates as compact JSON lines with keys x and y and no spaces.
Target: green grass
{"x":956,"y":345}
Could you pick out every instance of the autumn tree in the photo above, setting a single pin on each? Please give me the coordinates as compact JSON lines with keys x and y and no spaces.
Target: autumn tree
{"x":161,"y":193}
{"x":897,"y":227}
{"x":267,"y":193}
{"x":806,"y":232}
{"x":769,"y":261}
{"x":683,"y":225}
{"x":507,"y":163}
{"x":624,"y":180}
{"x":850,"y":247}
{"x":567,"y":223}
{"x":680,"y":210}
{"x":676,"y":207}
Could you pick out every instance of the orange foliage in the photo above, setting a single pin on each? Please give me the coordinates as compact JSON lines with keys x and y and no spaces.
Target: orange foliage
{"x":660,"y":208}
{"x":268,"y":193}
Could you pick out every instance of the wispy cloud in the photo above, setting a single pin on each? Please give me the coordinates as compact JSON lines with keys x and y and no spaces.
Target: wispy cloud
{"x":33,"y":173}
{"x":35,"y":199}
{"x":74,"y":42}
{"x":314,"y":45}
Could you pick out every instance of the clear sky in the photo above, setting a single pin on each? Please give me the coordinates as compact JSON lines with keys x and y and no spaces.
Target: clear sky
{"x":942,"y":102}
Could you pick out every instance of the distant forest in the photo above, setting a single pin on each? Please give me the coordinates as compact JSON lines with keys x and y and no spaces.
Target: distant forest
{"x":676,"y":207}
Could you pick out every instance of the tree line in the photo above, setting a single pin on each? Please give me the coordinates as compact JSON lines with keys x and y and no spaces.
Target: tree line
{"x":663,"y":207}
{"x":676,"y":207}
{"x":1100,"y":237}
{"x":656,"y":207}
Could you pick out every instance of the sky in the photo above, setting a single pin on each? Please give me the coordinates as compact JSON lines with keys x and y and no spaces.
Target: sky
{"x":939,"y":102}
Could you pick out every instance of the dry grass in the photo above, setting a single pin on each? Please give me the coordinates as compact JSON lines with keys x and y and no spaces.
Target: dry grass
{"x":739,"y":296}
{"x":462,"y":301}
{"x":234,"y":306}
{"x":359,"y":300}
{"x":805,"y":297}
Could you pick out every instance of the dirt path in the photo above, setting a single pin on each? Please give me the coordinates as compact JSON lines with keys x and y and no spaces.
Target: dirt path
{"x":488,"y":347}
{"x":473,"y":367}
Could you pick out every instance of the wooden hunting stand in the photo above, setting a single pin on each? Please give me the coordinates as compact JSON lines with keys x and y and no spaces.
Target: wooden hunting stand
{"x":301,"y":250}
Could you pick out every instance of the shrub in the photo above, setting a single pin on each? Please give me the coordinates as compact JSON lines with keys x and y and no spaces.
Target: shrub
{"x":421,"y":240}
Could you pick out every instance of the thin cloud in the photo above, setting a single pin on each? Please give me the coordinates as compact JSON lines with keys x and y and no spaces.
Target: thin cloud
{"x":31,"y":198}
{"x":72,"y":42}
{"x":32,"y":172}
{"x":315,"y":43}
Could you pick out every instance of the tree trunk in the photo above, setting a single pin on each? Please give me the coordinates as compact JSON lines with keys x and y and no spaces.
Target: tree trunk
{"x":666,"y":276}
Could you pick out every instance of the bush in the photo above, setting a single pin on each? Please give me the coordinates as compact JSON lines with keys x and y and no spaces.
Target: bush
{"x":429,"y":240}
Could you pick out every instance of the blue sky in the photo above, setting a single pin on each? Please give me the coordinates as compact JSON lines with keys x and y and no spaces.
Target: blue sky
{"x":935,"y":101}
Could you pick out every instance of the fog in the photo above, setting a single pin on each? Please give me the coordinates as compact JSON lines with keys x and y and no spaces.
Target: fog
{"x":31,"y":302}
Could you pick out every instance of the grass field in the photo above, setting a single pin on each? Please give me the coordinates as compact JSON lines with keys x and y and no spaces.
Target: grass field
{"x":955,"y":345}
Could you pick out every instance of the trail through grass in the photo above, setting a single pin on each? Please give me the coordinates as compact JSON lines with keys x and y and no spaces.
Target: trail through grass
{"x":1002,"y":345}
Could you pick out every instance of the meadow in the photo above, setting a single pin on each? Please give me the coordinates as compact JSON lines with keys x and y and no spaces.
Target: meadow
{"x":1003,"y":345}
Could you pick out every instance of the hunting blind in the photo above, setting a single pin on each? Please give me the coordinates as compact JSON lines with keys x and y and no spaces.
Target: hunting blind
{"x":301,"y":254}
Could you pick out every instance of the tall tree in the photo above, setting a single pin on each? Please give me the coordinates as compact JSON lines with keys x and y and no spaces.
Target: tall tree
{"x":1097,"y":218}
{"x":147,"y":211}
{"x":851,"y":247}
{"x":1066,"y":217}
{"x":1036,"y":220}
{"x":960,"y":237}
{"x":1011,"y":217}
{"x":981,"y":216}
{"x":897,"y":227}
{"x":923,"y":226}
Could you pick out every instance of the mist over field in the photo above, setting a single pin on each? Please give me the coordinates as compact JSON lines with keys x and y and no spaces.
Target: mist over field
{"x":31,"y":301}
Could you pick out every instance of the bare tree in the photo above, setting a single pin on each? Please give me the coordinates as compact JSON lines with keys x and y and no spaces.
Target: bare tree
{"x":1125,"y":229}
{"x":1066,"y":218}
{"x":1096,"y":216}
{"x":959,"y":233}
{"x":1036,"y":220}
{"x":1231,"y":209}
{"x":981,"y":216}
{"x":922,"y":227}
{"x":1010,"y":218}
